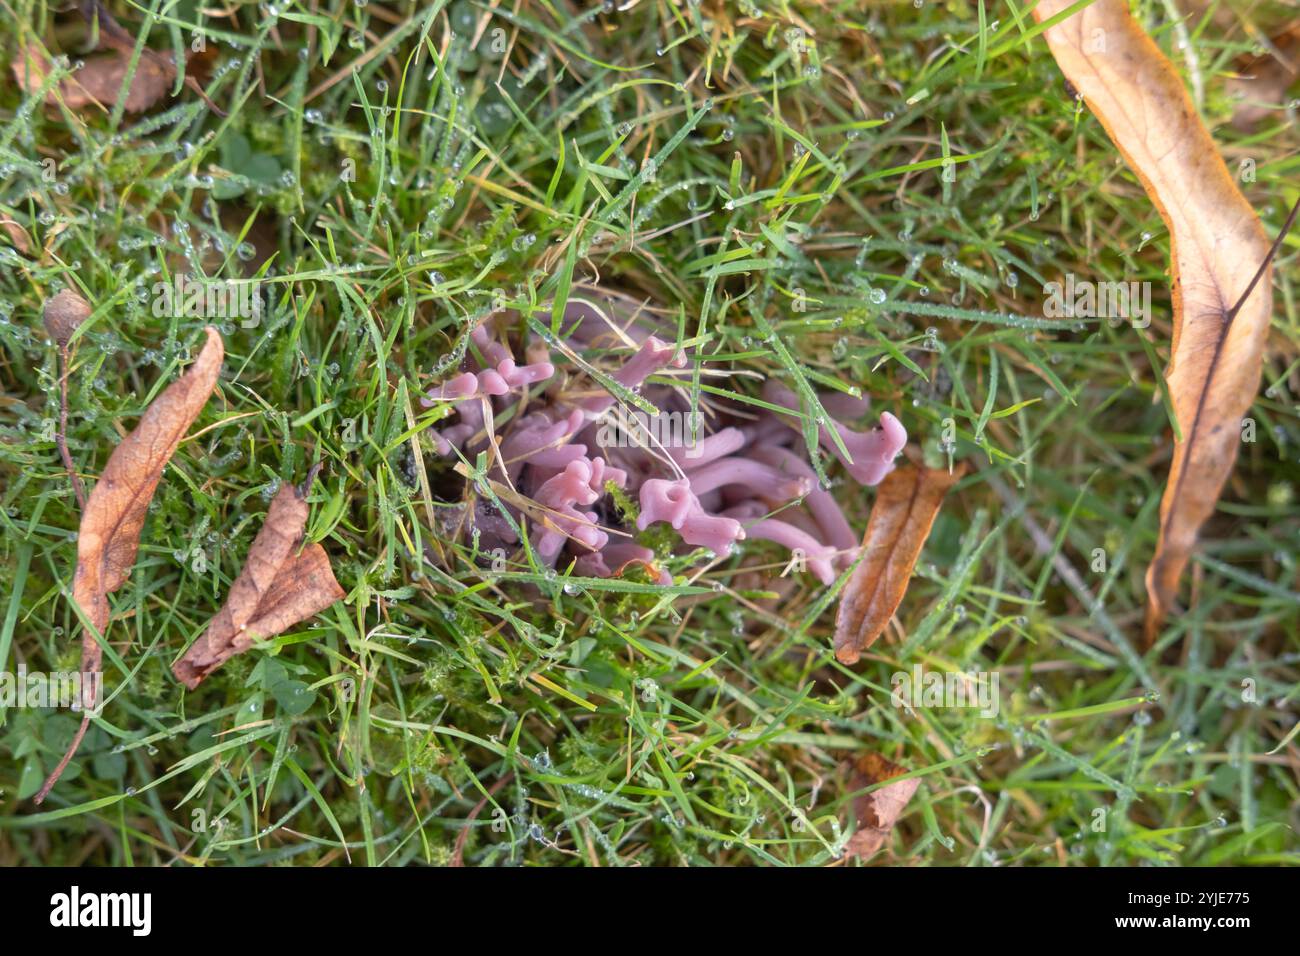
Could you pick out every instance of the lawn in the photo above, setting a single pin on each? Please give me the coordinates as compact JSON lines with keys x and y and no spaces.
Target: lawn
{"x":861,"y":197}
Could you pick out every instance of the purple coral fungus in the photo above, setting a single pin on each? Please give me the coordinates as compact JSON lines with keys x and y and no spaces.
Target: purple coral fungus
{"x":554,"y":449}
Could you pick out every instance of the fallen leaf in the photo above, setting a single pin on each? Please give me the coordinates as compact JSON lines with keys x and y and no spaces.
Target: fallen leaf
{"x":1262,"y":81}
{"x":906,"y":504}
{"x":1219,"y":251}
{"x":879,"y":810}
{"x":278,"y":587}
{"x":99,"y":81}
{"x":16,"y":233}
{"x":109,"y":536}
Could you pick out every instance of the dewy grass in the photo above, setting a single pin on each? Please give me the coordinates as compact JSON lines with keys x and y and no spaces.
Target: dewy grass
{"x":862,"y":198}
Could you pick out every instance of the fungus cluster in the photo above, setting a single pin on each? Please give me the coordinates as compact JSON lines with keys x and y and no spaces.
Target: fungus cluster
{"x":559,"y":443}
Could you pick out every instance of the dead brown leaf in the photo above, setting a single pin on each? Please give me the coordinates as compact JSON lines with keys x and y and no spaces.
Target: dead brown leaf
{"x":879,"y":810}
{"x":16,"y":233}
{"x":1219,"y":253}
{"x":1262,"y":81}
{"x":905,"y":507}
{"x":278,"y":587}
{"x":115,"y":511}
{"x":99,"y":81}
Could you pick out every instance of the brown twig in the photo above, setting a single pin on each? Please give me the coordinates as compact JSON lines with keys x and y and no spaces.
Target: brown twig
{"x":57,"y":772}
{"x":62,"y":437}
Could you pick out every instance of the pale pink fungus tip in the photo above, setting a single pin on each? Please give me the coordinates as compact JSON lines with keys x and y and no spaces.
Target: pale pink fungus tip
{"x":675,"y":503}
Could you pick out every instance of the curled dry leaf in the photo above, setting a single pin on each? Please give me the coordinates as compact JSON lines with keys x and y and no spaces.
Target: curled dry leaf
{"x":906,"y":504}
{"x":879,"y":810}
{"x":109,"y":536}
{"x":279,"y":586}
{"x":99,"y":81}
{"x":1219,"y":251}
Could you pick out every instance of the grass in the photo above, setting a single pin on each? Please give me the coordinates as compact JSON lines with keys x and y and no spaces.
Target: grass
{"x":864,"y":194}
